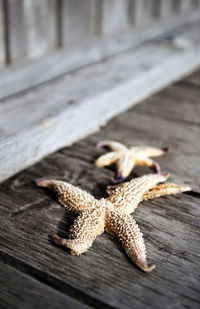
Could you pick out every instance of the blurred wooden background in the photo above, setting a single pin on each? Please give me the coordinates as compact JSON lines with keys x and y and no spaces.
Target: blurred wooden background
{"x":32,"y":28}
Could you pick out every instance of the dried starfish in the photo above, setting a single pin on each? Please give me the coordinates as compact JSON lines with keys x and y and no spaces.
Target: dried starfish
{"x":112,"y":213}
{"x":126,"y":158}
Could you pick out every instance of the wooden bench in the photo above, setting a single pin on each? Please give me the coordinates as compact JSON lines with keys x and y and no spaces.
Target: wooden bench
{"x":36,"y":273}
{"x":67,"y":69}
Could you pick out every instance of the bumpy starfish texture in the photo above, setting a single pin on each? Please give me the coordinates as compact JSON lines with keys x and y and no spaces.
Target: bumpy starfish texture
{"x":111,"y":213}
{"x":126,"y":158}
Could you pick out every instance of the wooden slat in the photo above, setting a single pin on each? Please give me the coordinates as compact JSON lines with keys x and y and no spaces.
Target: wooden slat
{"x":104,"y":276}
{"x":114,"y":16}
{"x":20,"y":77}
{"x":32,"y":28}
{"x":185,"y":5}
{"x":67,"y":103}
{"x":78,"y":22}
{"x":166,"y":8}
{"x":2,"y":35}
{"x":141,"y":12}
{"x":195,"y":3}
{"x":21,"y":291}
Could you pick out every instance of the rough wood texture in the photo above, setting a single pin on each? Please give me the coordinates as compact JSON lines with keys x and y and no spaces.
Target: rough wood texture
{"x":45,"y":115}
{"x":19,"y":290}
{"x":32,"y":26}
{"x":104,"y":277}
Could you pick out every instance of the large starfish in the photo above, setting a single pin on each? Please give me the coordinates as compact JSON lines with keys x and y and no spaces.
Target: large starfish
{"x":112,"y":213}
{"x":126,"y":158}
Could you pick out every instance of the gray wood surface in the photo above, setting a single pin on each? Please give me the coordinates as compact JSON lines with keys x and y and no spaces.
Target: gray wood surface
{"x":18,"y":290}
{"x":39,"y":122}
{"x":104,"y":277}
{"x":166,"y":8}
{"x":22,"y":76}
{"x":114,"y":16}
{"x":78,"y":22}
{"x":2,"y":36}
{"x":141,"y":12}
{"x":32,"y":28}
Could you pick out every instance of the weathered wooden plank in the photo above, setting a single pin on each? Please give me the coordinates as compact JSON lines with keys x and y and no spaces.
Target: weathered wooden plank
{"x":185,"y":5}
{"x":54,"y":108}
{"x":195,"y":3}
{"x":32,"y":28}
{"x":178,"y":137}
{"x":19,"y":290}
{"x":142,"y":12}
{"x":20,"y":77}
{"x":166,"y":8}
{"x":2,"y":35}
{"x":114,"y":16}
{"x":104,"y":273}
{"x":194,"y":80}
{"x":103,"y":276}
{"x":78,"y":23}
{"x":180,"y":103}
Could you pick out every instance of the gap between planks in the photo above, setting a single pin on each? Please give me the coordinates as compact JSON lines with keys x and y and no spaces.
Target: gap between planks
{"x":18,"y":289}
{"x":169,"y":224}
{"x":75,"y":298}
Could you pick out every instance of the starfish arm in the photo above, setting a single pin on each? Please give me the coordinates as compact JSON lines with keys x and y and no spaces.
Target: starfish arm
{"x":165,"y":189}
{"x":68,"y":195}
{"x":124,"y":227}
{"x":124,"y":165}
{"x":83,"y":232}
{"x":148,"y":151}
{"x":127,"y":196}
{"x":149,"y":163}
{"x":107,"y":159}
{"x":112,"y":145}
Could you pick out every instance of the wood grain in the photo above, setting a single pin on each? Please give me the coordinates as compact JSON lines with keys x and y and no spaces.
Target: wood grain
{"x":19,"y":290}
{"x":104,"y":273}
{"x":22,"y":76}
{"x":180,"y":103}
{"x":36,"y":27}
{"x":46,"y":115}
{"x":104,"y":277}
{"x":170,"y":230}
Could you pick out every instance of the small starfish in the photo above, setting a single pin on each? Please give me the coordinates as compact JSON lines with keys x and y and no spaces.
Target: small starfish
{"x":126,"y":158}
{"x":112,"y":213}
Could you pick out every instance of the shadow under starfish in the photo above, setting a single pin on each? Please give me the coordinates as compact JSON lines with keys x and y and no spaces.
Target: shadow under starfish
{"x":111,"y":213}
